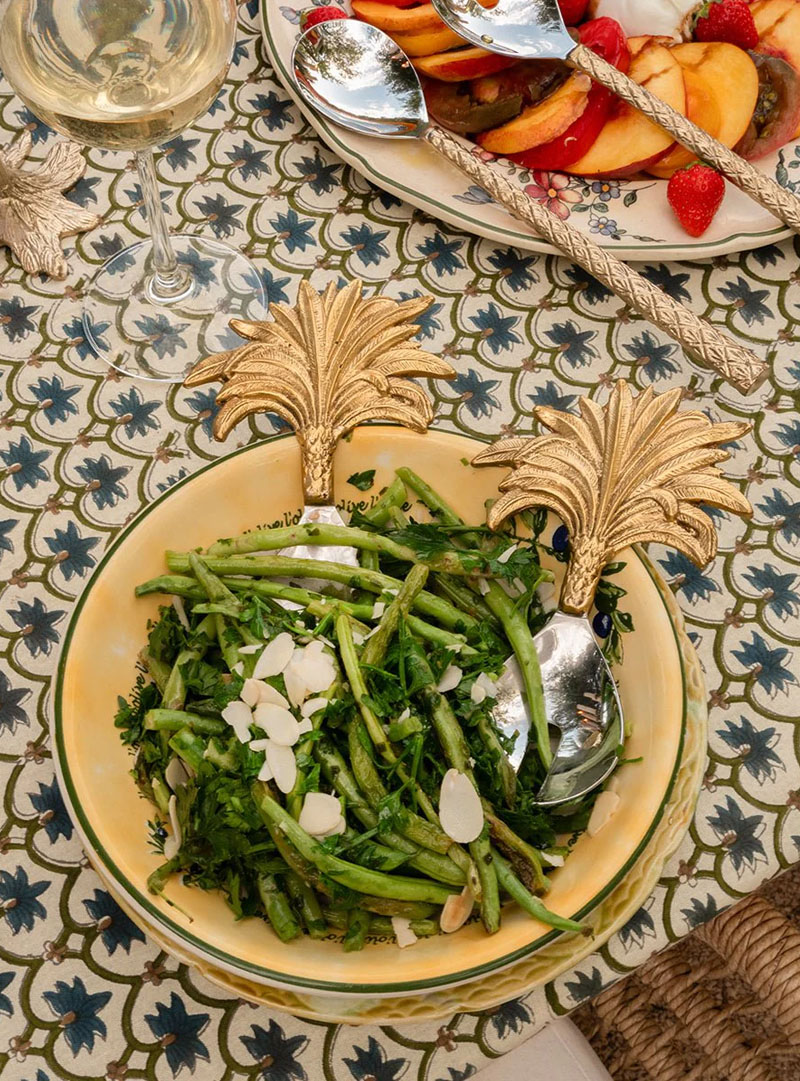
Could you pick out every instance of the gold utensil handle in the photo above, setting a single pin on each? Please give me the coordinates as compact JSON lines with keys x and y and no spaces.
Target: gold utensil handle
{"x":702,"y":340}
{"x":763,"y":189}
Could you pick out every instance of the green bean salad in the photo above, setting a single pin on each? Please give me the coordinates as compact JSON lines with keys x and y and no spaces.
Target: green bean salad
{"x":326,"y":757}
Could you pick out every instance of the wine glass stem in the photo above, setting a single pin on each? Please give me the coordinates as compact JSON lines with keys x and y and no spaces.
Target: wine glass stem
{"x":170,"y":280}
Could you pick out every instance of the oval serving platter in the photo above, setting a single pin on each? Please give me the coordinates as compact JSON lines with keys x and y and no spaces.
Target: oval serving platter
{"x":631,"y":218}
{"x":258,"y":485}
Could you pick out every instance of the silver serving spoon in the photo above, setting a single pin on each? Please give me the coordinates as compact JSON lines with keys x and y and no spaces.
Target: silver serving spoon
{"x":627,"y":472}
{"x":355,"y":75}
{"x":534,"y":29}
{"x":581,"y":701}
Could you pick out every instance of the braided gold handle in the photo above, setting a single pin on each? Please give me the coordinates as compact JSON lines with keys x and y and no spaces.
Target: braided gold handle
{"x":763,"y":189}
{"x":700,"y":339}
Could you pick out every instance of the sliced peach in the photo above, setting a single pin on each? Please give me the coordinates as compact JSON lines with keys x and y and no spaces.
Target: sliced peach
{"x":541,"y":122}
{"x":428,"y":42}
{"x":778,"y":25}
{"x":459,"y":64}
{"x":630,"y":142}
{"x":397,"y":20}
{"x":721,"y":93}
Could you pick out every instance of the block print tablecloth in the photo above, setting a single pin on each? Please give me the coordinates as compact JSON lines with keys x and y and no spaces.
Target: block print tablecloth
{"x":83,"y":994}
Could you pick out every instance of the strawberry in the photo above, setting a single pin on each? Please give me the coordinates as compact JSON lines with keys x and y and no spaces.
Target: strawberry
{"x":726,"y":20}
{"x":314,"y":16}
{"x":695,"y":193}
{"x":572,"y":11}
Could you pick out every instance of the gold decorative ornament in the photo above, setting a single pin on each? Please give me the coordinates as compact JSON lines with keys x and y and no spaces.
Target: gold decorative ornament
{"x":34,"y":215}
{"x":624,"y":473}
{"x":334,"y":361}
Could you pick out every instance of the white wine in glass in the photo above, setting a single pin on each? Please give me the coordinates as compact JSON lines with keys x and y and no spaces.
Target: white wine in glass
{"x":128,"y":75}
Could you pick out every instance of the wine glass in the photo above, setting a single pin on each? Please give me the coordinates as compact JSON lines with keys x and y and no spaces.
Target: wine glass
{"x":128,"y":75}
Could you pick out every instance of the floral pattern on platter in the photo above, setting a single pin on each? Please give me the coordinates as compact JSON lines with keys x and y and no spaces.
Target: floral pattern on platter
{"x":82,"y":450}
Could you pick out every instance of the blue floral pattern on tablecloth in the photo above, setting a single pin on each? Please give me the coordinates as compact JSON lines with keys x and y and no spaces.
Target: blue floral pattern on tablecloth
{"x":83,"y":993}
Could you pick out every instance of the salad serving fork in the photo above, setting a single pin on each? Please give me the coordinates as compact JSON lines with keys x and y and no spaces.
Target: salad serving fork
{"x":355,"y":75}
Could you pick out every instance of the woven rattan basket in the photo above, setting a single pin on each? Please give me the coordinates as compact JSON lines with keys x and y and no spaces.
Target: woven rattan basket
{"x":722,"y":1005}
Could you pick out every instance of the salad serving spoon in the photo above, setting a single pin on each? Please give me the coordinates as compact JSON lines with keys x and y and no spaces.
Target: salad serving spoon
{"x":354,"y":74}
{"x":535,"y":30}
{"x":627,"y":472}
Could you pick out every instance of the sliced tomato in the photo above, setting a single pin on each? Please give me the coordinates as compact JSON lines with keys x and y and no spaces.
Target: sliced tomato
{"x":607,"y":38}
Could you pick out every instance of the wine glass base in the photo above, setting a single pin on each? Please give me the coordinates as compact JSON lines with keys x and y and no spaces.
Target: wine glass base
{"x":134,"y":332}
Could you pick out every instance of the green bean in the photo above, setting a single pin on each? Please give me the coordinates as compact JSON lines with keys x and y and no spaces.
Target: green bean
{"x":491,"y":741}
{"x":532,"y":905}
{"x":189,"y":747}
{"x":394,"y":496}
{"x":277,"y":908}
{"x":360,"y":879}
{"x":375,"y":648}
{"x":158,"y":670}
{"x":321,"y":533}
{"x":211,"y":585}
{"x":179,"y":585}
{"x":372,"y":725}
{"x":160,"y":790}
{"x":414,"y":828}
{"x":171,"y":720}
{"x":526,"y":858}
{"x":504,"y":608}
{"x":307,"y":905}
{"x":174,"y":694}
{"x":380,"y":926}
{"x":357,"y":578}
{"x":519,"y":635}
{"x":429,"y":863}
{"x":357,"y":928}
{"x":456,"y":752}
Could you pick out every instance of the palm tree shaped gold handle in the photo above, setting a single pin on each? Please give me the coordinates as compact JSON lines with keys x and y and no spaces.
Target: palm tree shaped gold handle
{"x":330,"y":363}
{"x":628,"y":472}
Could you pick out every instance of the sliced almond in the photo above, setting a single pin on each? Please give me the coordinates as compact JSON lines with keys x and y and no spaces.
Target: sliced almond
{"x":268,"y":693}
{"x":456,"y":910}
{"x":175,"y":774}
{"x":252,"y":649}
{"x":239,"y":716}
{"x":312,"y":706}
{"x":175,"y":837}
{"x":282,"y":762}
{"x":358,"y":637}
{"x":305,"y":726}
{"x":265,"y":773}
{"x":482,"y":688}
{"x":378,"y":608}
{"x":295,"y":686}
{"x":604,"y":807}
{"x":251,"y":692}
{"x":180,"y":611}
{"x":552,"y":859}
{"x":238,"y":668}
{"x":460,"y":808}
{"x":275,"y":656}
{"x":483,"y":586}
{"x":279,"y":724}
{"x":451,"y":677}
{"x":320,"y":814}
{"x":315,"y":668}
{"x":507,"y":554}
{"x":402,"y":931}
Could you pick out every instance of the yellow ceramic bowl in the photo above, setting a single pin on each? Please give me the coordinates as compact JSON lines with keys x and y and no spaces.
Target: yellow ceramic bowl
{"x":258,"y":485}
